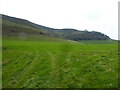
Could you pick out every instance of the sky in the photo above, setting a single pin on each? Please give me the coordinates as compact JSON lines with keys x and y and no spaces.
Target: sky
{"x":91,"y":15}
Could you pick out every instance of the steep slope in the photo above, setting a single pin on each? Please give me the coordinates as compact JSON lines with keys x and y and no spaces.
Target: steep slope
{"x":16,"y":26}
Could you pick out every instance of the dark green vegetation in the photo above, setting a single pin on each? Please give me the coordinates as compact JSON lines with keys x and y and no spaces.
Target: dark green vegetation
{"x":63,"y":64}
{"x":16,"y":26}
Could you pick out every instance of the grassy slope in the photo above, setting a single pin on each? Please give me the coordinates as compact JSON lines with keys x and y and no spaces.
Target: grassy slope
{"x":99,"y":42}
{"x":29,"y":63}
{"x":18,"y":28}
{"x":40,"y":38}
{"x":15,"y":26}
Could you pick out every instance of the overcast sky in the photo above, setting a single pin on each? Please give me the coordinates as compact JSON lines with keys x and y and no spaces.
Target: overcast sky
{"x":93,"y":15}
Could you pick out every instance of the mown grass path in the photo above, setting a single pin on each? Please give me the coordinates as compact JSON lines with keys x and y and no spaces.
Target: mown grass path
{"x":54,"y":71}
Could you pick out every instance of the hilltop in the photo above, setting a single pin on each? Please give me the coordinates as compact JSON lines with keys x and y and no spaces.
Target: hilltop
{"x":15,"y":26}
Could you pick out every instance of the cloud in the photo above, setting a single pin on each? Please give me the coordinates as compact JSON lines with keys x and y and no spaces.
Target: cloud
{"x":98,"y":15}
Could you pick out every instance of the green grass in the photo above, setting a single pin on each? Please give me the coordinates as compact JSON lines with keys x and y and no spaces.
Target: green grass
{"x":100,"y":42}
{"x":45,"y":64}
{"x":37,"y":38}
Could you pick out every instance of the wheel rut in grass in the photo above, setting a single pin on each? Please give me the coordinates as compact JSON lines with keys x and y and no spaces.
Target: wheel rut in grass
{"x":22,"y":73}
{"x":54,"y":71}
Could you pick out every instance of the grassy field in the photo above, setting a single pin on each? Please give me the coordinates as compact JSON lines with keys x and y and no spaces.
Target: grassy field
{"x":46,"y":64}
{"x":100,"y":42}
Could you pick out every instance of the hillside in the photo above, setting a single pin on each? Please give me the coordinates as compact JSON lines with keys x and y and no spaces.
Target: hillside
{"x":15,"y":26}
{"x":34,"y":56}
